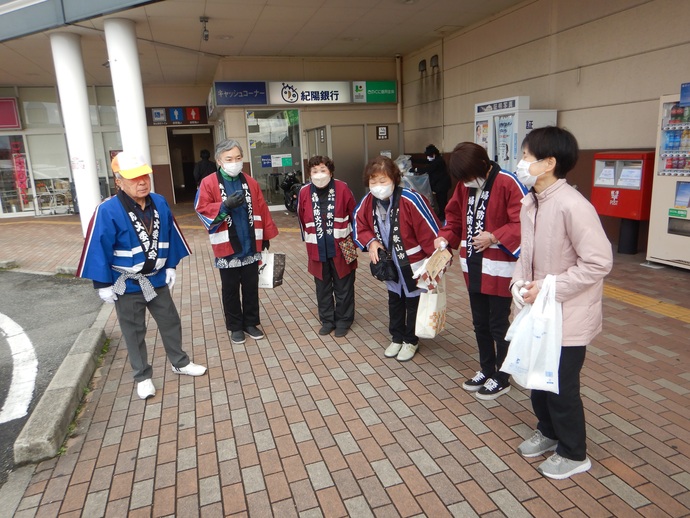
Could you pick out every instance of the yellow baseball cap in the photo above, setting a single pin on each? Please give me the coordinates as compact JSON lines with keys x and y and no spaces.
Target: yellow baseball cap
{"x":130,"y":165}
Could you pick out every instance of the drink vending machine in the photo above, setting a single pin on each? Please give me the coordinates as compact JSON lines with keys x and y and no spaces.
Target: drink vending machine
{"x":501,"y":125}
{"x":669,"y":226}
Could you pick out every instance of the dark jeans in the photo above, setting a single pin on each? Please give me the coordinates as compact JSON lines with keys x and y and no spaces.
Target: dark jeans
{"x":335,"y":297}
{"x":131,"y":313}
{"x":562,"y":416}
{"x":244,"y":312}
{"x":403,"y":317}
{"x":490,"y":315}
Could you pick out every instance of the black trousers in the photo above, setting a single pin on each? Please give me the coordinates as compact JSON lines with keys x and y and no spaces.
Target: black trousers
{"x":562,"y":416}
{"x":403,"y":317}
{"x":490,"y":317}
{"x":244,"y":311}
{"x":335,"y":297}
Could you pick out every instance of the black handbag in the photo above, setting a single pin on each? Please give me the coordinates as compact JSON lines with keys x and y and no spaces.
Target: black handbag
{"x":384,"y":269}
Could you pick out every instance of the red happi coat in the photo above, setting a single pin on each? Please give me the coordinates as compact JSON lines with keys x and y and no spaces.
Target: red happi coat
{"x":208,"y":205}
{"x":342,"y":227}
{"x":418,"y":227}
{"x":502,"y":219}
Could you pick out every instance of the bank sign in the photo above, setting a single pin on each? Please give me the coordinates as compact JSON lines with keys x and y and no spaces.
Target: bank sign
{"x":309,"y":92}
{"x":374,"y":92}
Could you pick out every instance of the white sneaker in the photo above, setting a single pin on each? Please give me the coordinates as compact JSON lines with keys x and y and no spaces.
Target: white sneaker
{"x":192,"y":369}
{"x":392,"y":350}
{"x":406,"y":352}
{"x":145,"y":389}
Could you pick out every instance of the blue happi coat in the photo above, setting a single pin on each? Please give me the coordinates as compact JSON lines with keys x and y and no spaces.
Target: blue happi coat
{"x":111,"y":242}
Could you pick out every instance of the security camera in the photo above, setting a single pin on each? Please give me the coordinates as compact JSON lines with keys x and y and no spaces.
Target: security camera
{"x":205,"y":34}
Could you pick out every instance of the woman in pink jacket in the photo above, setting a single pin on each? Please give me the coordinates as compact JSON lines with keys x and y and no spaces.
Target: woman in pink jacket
{"x":562,"y":236}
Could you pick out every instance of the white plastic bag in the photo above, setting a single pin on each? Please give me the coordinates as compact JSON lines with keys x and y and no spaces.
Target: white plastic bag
{"x":535,"y":339}
{"x":271,"y":269}
{"x":431,"y":312}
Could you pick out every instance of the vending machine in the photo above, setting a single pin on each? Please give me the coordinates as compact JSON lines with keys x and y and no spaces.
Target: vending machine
{"x":501,"y":125}
{"x":669,"y":226}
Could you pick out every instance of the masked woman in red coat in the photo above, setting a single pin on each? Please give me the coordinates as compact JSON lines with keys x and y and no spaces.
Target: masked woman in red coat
{"x":324,"y":210}
{"x":400,"y":221}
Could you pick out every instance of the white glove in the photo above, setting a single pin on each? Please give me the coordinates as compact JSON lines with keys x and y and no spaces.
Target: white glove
{"x":170,"y":276}
{"x":107,"y":295}
{"x":517,"y":290}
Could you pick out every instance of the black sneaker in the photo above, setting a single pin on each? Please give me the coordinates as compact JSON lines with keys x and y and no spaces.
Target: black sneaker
{"x":474,"y":384}
{"x":493,"y":388}
{"x":326,"y":329}
{"x":237,"y":337}
{"x":254,"y":332}
{"x":341,"y":331}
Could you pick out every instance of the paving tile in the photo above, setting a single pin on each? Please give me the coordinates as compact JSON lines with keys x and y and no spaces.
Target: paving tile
{"x":297,"y":425}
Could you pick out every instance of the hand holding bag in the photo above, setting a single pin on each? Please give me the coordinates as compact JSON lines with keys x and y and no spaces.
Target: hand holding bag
{"x":384,"y":269}
{"x":535,"y":339}
{"x":271,"y":269}
{"x":431,"y":312}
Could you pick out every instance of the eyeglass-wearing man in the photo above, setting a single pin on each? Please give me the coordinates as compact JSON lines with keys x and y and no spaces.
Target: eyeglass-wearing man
{"x":131,"y":250}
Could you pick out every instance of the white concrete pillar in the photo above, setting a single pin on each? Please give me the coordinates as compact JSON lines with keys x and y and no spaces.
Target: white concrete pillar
{"x":74,"y":101}
{"x":123,"y":56}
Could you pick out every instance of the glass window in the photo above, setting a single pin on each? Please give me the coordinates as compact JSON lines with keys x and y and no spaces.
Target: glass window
{"x":106,"y":105}
{"x":93,"y":109}
{"x":112,"y":144}
{"x":274,"y":147}
{"x":40,"y":107}
{"x":51,"y":174}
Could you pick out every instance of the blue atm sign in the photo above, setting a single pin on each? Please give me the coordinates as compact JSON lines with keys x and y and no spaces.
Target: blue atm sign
{"x":240,"y":93}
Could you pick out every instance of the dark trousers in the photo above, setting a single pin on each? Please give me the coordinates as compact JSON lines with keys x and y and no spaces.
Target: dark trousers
{"x":335,"y":297}
{"x":490,"y":317}
{"x":562,"y":416}
{"x":240,"y":312}
{"x":403,"y":317}
{"x":131,"y":313}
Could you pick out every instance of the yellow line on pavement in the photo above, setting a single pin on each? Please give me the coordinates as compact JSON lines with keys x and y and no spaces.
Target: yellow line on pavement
{"x":649,"y":303}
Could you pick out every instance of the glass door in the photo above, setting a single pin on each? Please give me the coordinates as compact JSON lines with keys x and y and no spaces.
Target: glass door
{"x":274,"y":149}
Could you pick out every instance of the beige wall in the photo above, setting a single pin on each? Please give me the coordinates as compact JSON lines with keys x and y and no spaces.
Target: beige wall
{"x":603,"y":64}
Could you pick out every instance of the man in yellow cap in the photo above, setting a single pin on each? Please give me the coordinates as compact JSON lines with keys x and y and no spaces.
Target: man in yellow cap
{"x":131,"y":250}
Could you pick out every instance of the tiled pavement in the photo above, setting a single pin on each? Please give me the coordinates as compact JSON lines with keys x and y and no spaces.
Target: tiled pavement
{"x":301,"y":425}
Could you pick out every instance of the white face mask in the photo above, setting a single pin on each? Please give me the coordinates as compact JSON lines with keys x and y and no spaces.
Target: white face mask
{"x":232,"y":168}
{"x":522,"y":173}
{"x":320,"y":180}
{"x":382,"y":192}
{"x":430,"y":158}
{"x":477,"y":183}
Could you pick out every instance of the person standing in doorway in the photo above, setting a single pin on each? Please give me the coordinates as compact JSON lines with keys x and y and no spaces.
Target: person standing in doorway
{"x":203,"y":167}
{"x":233,"y":210}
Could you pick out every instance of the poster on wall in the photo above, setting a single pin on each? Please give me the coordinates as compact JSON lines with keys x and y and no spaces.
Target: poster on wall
{"x":504,"y":130}
{"x":481,"y":134}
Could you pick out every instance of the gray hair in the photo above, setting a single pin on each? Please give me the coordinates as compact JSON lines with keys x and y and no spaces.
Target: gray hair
{"x":227,"y":145}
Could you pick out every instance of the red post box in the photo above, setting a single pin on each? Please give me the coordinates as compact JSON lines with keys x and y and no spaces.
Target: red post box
{"x":622,"y":188}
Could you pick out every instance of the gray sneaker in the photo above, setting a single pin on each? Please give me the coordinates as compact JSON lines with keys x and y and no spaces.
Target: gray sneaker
{"x":559,"y":467}
{"x":537,"y":445}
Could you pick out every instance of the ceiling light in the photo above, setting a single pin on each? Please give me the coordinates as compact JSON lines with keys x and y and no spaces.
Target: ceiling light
{"x":204,"y":33}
